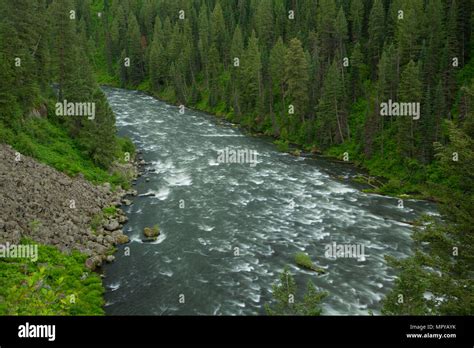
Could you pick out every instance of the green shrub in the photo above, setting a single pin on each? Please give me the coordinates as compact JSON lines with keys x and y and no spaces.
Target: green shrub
{"x":56,"y":284}
{"x":282,"y":145}
{"x":303,"y":260}
{"x":126,"y":145}
{"x":6,"y":134}
{"x":110,"y":211}
{"x":97,"y":221}
{"x":25,"y":145}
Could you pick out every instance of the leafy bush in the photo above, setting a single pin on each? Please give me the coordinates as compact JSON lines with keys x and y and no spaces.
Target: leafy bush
{"x":282,"y":145}
{"x":24,"y":145}
{"x":109,"y":211}
{"x":97,"y":221}
{"x":303,"y":260}
{"x":126,"y":145}
{"x":6,"y":134}
{"x":56,"y":284}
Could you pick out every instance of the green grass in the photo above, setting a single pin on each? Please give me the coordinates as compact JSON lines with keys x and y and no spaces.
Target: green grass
{"x":109,"y":211}
{"x":282,"y":145}
{"x":125,"y":145}
{"x":50,"y":144}
{"x":303,"y":260}
{"x":145,"y":86}
{"x":56,"y":284}
{"x":104,"y":78}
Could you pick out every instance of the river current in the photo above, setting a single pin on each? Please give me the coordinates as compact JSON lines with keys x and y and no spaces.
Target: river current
{"x":229,"y":229}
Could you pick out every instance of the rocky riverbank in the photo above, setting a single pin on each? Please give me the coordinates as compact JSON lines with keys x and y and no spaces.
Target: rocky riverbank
{"x":42,"y":204}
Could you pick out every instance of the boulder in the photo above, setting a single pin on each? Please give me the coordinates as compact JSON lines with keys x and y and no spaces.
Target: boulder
{"x":151,"y":232}
{"x":123,"y":239}
{"x":112,"y":225}
{"x":122,"y":219}
{"x":109,"y":239}
{"x":120,"y":238}
{"x":93,"y":262}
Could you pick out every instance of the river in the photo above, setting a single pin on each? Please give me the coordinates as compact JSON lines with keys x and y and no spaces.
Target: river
{"x":228,"y":229}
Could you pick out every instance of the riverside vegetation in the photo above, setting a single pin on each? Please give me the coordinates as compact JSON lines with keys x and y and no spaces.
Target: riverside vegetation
{"x":309,"y":74}
{"x":73,"y":214}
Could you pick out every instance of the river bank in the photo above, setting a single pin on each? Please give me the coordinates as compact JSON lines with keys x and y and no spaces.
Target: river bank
{"x":73,"y":225}
{"x":46,"y":206}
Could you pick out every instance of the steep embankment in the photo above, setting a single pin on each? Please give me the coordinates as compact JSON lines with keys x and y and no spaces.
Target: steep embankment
{"x":42,"y":204}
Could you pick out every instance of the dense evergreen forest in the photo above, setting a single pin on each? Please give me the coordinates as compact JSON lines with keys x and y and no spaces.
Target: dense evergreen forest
{"x":311,"y":73}
{"x":39,"y":45}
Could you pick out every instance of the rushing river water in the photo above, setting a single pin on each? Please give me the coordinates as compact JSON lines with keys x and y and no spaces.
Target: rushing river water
{"x":241,"y":224}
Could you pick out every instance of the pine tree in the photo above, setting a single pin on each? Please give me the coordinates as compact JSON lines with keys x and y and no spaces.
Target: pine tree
{"x":356,"y":19}
{"x":410,"y":91}
{"x":386,"y":89}
{"x":451,"y":52}
{"x":376,"y":33}
{"x":63,"y":31}
{"x":277,"y":78}
{"x":341,"y":33}
{"x":358,"y":72}
{"x":214,"y":75}
{"x":285,"y":294}
{"x":435,"y":33}
{"x":97,"y":136}
{"x":326,"y":28}
{"x":157,"y":65}
{"x":251,"y":75}
{"x":147,"y":17}
{"x":236,"y":52}
{"x":134,"y":51}
{"x":408,"y":31}
{"x":264,"y":23}
{"x":118,"y":31}
{"x":123,"y":69}
{"x":296,"y":78}
{"x":219,"y":32}
{"x":332,"y":119}
{"x":387,"y":83}
{"x":203,"y":43}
